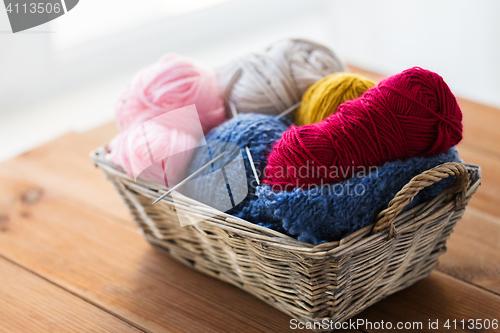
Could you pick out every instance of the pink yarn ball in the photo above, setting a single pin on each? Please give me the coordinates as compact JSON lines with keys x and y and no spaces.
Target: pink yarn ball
{"x":172,"y":83}
{"x":158,"y":150}
{"x":138,"y":156}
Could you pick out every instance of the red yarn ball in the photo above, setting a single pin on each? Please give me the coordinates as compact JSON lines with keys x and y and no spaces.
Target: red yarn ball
{"x":409,"y":114}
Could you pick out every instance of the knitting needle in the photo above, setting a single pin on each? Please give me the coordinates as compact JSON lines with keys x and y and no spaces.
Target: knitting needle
{"x":233,"y":109}
{"x":282,"y":114}
{"x":235,"y":113}
{"x":229,"y":88}
{"x":252,"y":165}
{"x":188,"y":178}
{"x":287,"y":111}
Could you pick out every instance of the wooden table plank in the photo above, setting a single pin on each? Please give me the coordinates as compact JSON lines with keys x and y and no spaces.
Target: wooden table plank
{"x":487,"y":197}
{"x":64,"y":166}
{"x":474,"y":250}
{"x":481,"y":127}
{"x":112,"y":266}
{"x":438,"y":297}
{"x":29,"y":303}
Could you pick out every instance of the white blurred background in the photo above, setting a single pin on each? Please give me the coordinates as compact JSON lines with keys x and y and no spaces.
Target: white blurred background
{"x":67,"y":74}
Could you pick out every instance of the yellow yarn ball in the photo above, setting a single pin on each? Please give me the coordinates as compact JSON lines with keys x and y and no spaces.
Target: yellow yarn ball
{"x":323,"y":97}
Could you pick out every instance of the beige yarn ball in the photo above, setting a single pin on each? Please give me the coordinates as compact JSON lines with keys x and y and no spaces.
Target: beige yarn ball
{"x":274,"y":80}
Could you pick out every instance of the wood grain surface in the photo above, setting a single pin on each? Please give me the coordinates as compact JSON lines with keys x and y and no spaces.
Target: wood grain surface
{"x":29,"y":303}
{"x":71,"y":258}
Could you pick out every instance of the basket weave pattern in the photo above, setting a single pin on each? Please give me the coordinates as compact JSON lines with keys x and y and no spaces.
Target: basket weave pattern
{"x":331,"y":281}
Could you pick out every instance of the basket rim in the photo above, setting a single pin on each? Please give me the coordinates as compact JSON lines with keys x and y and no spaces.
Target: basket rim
{"x":275,"y":238}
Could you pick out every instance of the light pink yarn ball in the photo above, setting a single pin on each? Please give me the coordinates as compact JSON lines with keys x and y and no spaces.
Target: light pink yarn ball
{"x":128,"y":150}
{"x":172,"y":83}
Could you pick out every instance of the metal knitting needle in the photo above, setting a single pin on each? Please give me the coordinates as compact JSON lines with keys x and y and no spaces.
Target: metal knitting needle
{"x":229,"y":88}
{"x":188,"y":178}
{"x":252,"y":165}
{"x":250,"y":159}
{"x":282,"y":114}
{"x":287,"y":111}
{"x":233,"y":109}
{"x":235,"y":113}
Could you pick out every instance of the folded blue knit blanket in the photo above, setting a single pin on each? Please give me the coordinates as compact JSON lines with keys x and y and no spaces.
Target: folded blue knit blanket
{"x":331,"y":212}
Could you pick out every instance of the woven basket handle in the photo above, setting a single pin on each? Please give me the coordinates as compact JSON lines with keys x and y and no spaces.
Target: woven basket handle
{"x":425,"y":179}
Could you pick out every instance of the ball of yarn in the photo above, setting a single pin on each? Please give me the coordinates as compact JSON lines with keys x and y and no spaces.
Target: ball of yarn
{"x":322,"y":98}
{"x":327,"y":213}
{"x":258,"y":132}
{"x":409,"y":114}
{"x":172,"y":83}
{"x":272,"y":81}
{"x":157,"y":150}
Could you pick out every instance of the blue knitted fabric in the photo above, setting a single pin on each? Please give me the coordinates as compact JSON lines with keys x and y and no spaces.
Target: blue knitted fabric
{"x":329,"y":213}
{"x":258,"y":132}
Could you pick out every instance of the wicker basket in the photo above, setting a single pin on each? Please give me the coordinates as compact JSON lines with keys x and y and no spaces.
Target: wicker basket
{"x":331,"y":281}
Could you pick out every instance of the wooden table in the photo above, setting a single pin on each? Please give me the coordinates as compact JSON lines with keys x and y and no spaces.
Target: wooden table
{"x":71,"y":258}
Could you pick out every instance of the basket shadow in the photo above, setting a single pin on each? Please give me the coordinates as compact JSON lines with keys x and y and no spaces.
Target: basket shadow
{"x":434,"y":297}
{"x":183,"y":299}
